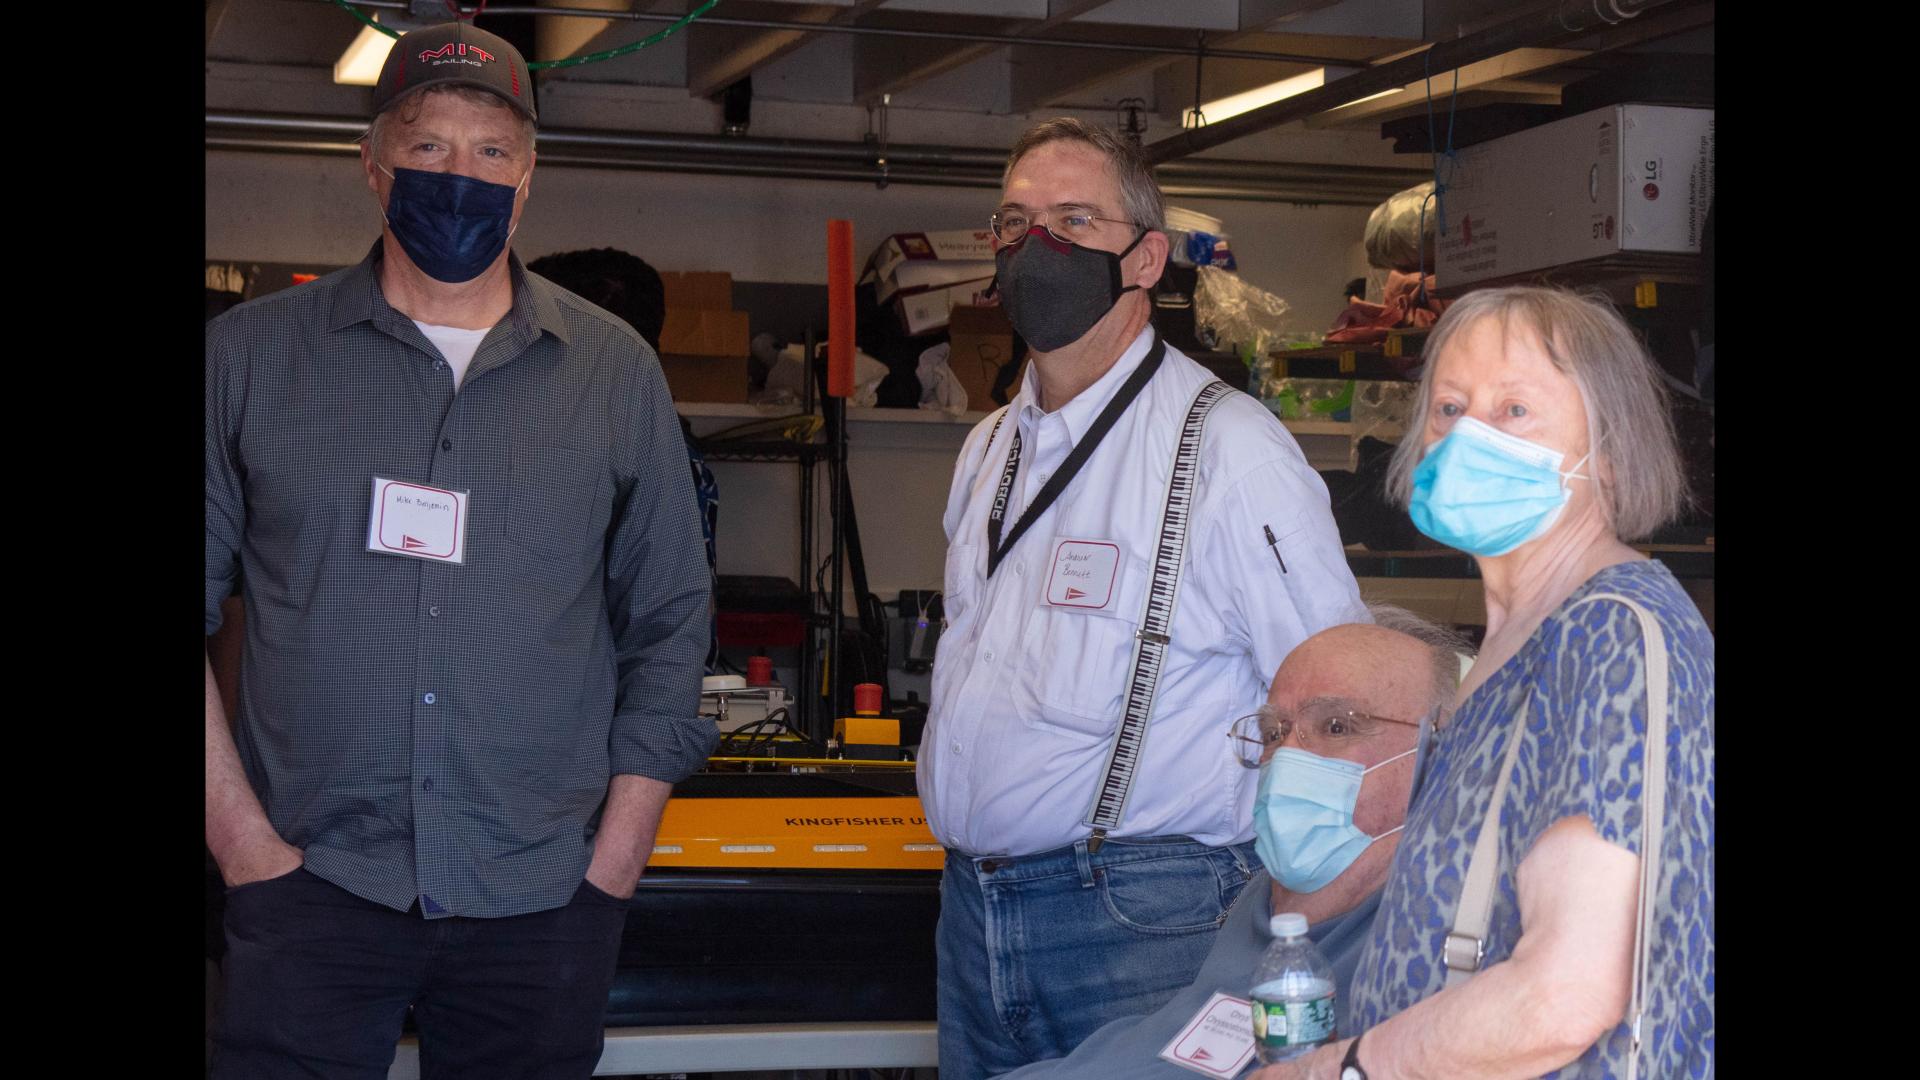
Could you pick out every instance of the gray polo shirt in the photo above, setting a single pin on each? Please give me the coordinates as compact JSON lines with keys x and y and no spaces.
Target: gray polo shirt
{"x":434,"y":731}
{"x":1129,"y":1049}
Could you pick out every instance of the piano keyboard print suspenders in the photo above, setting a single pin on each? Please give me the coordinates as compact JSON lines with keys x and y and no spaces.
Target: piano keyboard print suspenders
{"x":1163,"y":589}
{"x":1150,"y":641}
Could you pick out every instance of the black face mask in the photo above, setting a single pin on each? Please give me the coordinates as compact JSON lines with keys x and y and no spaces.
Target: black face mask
{"x":1053,"y":292}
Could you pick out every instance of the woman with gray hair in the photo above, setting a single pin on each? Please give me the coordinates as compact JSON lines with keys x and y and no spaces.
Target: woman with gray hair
{"x":1556,"y":871}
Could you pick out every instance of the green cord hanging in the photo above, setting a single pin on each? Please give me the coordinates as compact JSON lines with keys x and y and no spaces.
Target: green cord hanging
{"x":590,"y":58}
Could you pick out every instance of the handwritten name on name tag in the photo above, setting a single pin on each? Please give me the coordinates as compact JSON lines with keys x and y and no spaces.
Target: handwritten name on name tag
{"x":1218,"y":1041}
{"x":417,"y":521}
{"x":1083,"y":573}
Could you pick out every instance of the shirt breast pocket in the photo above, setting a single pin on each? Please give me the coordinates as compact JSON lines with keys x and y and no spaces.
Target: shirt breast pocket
{"x":1073,"y":677}
{"x":553,"y":504}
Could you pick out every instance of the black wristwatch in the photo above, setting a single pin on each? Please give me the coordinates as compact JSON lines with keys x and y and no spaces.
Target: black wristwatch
{"x":1350,"y":1065}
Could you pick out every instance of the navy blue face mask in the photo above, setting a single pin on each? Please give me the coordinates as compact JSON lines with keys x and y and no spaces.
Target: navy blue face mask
{"x":451,"y":226}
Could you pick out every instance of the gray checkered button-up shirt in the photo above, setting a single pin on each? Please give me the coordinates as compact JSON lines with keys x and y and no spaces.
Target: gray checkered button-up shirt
{"x":447,"y":732}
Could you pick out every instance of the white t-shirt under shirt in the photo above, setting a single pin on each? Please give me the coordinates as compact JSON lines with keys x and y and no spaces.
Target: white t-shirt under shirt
{"x":457,"y":345}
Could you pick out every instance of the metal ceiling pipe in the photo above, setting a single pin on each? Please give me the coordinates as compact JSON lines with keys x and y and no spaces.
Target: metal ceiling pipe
{"x":1541,"y":24}
{"x":828,"y":160}
{"x":887,"y":31}
{"x":1280,"y":189}
{"x":1244,"y":192}
{"x":746,"y":146}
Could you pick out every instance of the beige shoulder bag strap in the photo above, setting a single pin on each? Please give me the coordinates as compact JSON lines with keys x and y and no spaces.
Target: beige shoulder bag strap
{"x":1466,"y":942}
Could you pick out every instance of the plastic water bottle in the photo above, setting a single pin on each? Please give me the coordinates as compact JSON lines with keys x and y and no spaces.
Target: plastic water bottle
{"x":1292,"y":993}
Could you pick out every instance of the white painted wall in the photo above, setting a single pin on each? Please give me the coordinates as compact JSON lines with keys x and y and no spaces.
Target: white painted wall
{"x":302,"y":208}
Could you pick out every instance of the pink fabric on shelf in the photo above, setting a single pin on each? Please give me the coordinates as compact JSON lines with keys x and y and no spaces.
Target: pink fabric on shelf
{"x":1363,"y":323}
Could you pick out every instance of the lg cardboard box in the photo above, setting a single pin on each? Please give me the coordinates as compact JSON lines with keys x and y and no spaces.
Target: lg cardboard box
{"x":705,"y":378}
{"x":703,"y":289}
{"x":703,"y":343}
{"x":926,"y":311}
{"x":1622,"y":180}
{"x":981,"y":342}
{"x":692,"y":332}
{"x":911,"y":261}
{"x":700,"y":316}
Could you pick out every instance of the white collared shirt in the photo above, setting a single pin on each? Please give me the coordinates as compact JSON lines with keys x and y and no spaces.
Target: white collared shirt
{"x":1029,"y":678}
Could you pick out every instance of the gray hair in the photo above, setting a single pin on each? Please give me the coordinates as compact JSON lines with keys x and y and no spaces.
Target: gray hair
{"x":1629,"y":423}
{"x":1445,"y":647}
{"x":415,"y":102}
{"x":1140,"y":196}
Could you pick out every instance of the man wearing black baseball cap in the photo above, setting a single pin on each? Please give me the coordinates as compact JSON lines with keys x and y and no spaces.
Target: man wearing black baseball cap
{"x":456,"y":501}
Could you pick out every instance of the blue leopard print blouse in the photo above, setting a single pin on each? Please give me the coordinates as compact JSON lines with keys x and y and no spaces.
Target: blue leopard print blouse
{"x":1579,"y":681}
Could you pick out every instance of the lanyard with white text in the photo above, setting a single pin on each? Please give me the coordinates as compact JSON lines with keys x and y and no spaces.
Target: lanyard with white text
{"x":1082,"y":450}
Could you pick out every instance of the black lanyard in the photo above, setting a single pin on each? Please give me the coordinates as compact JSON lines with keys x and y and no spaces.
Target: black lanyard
{"x":1082,"y":450}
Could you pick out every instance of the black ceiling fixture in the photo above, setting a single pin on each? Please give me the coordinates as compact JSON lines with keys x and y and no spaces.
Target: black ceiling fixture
{"x":736,"y":106}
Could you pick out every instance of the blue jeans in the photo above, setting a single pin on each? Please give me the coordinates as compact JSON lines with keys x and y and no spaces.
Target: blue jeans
{"x":1038,"y":951}
{"x":318,"y":982}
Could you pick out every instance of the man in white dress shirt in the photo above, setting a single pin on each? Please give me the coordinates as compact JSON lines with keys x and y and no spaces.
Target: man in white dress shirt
{"x":1077,"y":891}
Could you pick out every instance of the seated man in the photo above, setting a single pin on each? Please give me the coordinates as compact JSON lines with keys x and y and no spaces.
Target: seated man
{"x":1363,"y":693}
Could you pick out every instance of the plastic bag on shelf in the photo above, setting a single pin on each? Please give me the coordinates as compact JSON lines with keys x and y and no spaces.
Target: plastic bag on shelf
{"x":939,"y":387}
{"x":786,"y":370}
{"x":1395,"y":239}
{"x":1308,"y":399}
{"x":1382,"y":408}
{"x":1244,"y":317}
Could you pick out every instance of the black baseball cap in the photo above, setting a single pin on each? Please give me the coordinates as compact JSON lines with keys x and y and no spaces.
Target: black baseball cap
{"x":454,"y":54}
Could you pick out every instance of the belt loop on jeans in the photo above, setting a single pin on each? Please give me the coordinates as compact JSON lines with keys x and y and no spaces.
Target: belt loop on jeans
{"x":1240,"y":860}
{"x":1083,"y":862}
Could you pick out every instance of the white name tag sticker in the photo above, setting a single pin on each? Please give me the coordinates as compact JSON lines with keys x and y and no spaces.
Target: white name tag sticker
{"x":1082,"y":574}
{"x":1218,"y":1041}
{"x":417,"y":521}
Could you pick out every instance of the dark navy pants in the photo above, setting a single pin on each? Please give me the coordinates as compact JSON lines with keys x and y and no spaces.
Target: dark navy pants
{"x":318,"y":982}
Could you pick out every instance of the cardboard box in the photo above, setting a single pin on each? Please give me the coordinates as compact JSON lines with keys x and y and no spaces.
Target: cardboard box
{"x":692,"y":332}
{"x":706,"y":378}
{"x":702,"y":289}
{"x":925,"y":311}
{"x":1619,"y":180}
{"x":981,"y":341}
{"x":961,"y":244}
{"x":920,"y":276}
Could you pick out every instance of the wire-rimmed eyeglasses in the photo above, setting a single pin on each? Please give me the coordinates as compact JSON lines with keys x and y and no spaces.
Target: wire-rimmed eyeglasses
{"x":1317,"y":730}
{"x":1075,"y":227}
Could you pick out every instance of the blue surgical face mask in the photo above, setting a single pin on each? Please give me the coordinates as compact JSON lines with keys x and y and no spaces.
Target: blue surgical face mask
{"x":453,"y":227}
{"x":1486,"y":492}
{"x":1303,"y":817}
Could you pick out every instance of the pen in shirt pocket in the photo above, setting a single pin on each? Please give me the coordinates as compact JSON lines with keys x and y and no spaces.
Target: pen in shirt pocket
{"x":1275,"y":545}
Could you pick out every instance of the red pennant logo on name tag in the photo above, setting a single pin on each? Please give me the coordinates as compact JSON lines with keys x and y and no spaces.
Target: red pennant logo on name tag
{"x":1073,"y":593}
{"x":409,"y":543}
{"x":1202,"y":1055}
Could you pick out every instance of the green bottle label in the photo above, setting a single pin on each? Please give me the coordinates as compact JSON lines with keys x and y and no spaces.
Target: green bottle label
{"x":1280,"y":1024}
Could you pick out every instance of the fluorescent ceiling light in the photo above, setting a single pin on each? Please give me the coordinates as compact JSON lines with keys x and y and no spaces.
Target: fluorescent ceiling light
{"x":360,"y":64}
{"x":1247,"y":101}
{"x":1370,"y":97}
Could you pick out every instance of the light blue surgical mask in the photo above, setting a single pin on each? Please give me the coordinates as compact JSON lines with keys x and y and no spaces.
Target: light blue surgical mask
{"x":1303,"y":816}
{"x":1486,"y":492}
